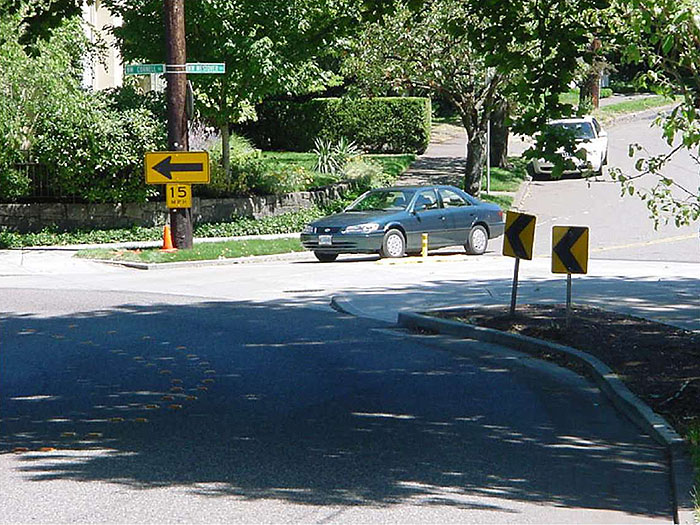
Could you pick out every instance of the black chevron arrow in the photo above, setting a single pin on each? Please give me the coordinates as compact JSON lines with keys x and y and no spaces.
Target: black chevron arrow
{"x":563,"y":249}
{"x":513,"y":235}
{"x":166,"y":167}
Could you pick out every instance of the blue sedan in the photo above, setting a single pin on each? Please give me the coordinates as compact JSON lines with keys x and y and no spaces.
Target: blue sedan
{"x":390,"y":221}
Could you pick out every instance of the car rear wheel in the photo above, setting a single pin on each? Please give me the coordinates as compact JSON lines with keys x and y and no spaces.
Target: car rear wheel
{"x":393,"y":245}
{"x":477,"y":240}
{"x":325,"y":256}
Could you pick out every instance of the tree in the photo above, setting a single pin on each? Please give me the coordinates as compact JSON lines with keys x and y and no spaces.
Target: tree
{"x":39,"y":17}
{"x":270,"y":47}
{"x":477,"y":53}
{"x":664,"y":36}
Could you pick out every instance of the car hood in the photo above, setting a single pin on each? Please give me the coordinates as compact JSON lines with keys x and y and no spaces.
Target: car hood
{"x":356,"y":217}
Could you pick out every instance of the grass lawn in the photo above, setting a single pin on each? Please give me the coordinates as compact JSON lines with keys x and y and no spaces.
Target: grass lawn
{"x":507,"y":179}
{"x":633,"y":106}
{"x":200,"y":252}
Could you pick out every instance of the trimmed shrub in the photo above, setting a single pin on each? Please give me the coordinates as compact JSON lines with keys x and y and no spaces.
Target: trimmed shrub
{"x":377,"y":125}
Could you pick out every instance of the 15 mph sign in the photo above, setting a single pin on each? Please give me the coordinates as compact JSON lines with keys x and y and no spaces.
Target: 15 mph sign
{"x":166,"y":167}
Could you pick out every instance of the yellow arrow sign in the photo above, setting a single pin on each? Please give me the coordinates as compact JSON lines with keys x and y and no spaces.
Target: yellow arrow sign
{"x":519,"y":235}
{"x":163,"y":167}
{"x":569,"y":249}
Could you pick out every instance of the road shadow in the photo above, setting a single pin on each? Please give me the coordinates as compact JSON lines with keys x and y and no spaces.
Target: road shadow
{"x":270,"y":400}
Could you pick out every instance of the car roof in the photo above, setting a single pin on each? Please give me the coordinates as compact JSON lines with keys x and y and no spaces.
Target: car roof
{"x":421,"y":187}
{"x":572,"y":120}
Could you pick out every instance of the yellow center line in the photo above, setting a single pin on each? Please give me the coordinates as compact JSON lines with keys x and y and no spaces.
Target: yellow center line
{"x":645,"y":243}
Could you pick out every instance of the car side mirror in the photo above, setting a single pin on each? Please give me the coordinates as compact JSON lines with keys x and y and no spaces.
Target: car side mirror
{"x":602,"y":134}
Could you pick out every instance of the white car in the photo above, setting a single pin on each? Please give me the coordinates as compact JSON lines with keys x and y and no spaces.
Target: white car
{"x":592,"y":143}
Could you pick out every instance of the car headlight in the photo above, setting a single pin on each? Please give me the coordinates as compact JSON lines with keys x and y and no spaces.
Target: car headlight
{"x":308,"y":229}
{"x":367,"y":227}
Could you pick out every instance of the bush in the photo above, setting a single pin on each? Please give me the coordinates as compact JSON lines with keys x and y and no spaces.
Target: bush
{"x":377,"y":125}
{"x":95,"y":151}
{"x":605,"y":92}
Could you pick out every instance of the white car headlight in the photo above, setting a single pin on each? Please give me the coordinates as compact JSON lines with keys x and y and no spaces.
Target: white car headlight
{"x":308,"y":229}
{"x":367,"y":227}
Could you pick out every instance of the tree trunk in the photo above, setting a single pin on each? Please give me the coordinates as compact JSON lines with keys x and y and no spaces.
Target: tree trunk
{"x":499,"y":135}
{"x":226,"y":151}
{"x":589,"y":94}
{"x":476,"y":160}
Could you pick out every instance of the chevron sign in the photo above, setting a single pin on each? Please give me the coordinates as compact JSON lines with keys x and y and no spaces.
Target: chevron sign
{"x":519,"y":235}
{"x":569,"y":249}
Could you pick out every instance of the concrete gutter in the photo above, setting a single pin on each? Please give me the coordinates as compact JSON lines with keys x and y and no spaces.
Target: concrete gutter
{"x":680,"y":466}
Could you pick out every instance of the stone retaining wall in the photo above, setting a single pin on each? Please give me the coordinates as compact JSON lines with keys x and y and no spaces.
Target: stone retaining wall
{"x":35,"y":216}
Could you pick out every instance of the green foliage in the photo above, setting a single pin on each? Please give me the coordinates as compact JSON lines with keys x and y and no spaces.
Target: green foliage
{"x":270,"y":47}
{"x":367,"y":174}
{"x":390,"y":124}
{"x":661,"y":36}
{"x":51,"y":236}
{"x":91,"y":143}
{"x":325,"y":160}
{"x":34,"y":86}
{"x":332,"y":158}
{"x":291,"y":222}
{"x":13,"y":184}
{"x":96,"y":153}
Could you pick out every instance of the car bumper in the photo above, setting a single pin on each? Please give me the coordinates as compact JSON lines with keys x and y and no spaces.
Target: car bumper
{"x":545,"y":168}
{"x":496,"y":229}
{"x":344,"y":243}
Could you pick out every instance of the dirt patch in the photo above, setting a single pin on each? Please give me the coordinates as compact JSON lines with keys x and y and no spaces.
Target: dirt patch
{"x":658,"y":362}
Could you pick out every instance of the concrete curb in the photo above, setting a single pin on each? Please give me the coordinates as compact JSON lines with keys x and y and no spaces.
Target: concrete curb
{"x":681,"y":469}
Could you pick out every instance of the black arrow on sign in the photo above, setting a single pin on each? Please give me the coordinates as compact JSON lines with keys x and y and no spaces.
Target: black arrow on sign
{"x":513,"y":235}
{"x":165,"y":167}
{"x":563,"y":249}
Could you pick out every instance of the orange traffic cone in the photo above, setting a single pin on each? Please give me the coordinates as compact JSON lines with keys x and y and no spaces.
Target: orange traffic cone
{"x":167,"y":240}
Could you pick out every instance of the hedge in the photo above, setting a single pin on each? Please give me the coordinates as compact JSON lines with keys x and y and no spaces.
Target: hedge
{"x":377,"y":125}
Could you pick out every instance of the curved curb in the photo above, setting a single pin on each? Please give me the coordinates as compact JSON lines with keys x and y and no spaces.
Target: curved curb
{"x":611,"y":385}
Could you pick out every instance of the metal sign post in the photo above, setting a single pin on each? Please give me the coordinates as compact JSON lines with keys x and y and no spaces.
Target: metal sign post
{"x":569,"y":256}
{"x":518,"y":242}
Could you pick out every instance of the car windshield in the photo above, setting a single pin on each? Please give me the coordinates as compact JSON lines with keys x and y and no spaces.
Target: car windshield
{"x":580,"y":130}
{"x":383,"y":200}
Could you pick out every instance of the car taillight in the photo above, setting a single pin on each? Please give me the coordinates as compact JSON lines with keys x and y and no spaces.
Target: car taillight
{"x":500,"y":214}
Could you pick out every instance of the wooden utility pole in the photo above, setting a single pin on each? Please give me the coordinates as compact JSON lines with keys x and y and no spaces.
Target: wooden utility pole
{"x":174,"y":11}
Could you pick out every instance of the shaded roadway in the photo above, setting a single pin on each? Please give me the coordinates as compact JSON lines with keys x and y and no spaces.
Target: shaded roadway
{"x":323,"y":411}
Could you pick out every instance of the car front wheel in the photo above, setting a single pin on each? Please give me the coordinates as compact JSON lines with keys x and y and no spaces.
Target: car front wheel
{"x":325,"y":256}
{"x":393,"y":245}
{"x":477,"y":240}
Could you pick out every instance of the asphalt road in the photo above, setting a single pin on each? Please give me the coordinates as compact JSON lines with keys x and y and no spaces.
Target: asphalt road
{"x":620,"y":227}
{"x":171,"y":408}
{"x":292,"y":412}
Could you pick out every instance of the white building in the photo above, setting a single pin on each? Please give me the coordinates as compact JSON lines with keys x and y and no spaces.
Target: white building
{"x":109,"y":72}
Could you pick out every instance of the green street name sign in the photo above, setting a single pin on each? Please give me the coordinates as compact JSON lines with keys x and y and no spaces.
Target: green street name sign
{"x":144,"y":69}
{"x":206,"y":68}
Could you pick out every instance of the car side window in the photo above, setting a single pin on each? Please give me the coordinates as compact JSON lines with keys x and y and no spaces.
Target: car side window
{"x":450,"y":199}
{"x":596,"y":125}
{"x":426,"y":200}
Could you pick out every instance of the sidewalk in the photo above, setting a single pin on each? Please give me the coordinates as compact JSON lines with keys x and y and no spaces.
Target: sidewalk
{"x":444,"y":160}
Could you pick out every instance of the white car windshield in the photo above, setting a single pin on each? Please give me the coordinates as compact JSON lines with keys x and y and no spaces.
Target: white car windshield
{"x":383,"y":200}
{"x":581,"y":130}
